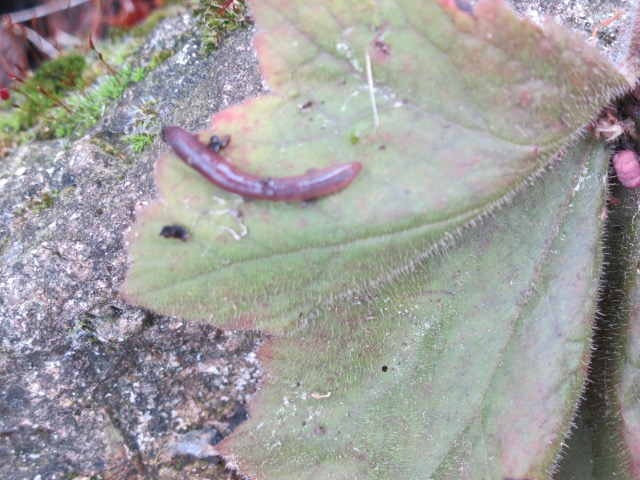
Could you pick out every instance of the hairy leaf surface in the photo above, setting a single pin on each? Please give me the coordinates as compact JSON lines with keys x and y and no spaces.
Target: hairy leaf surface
{"x":627,"y":391}
{"x":608,"y":437}
{"x":470,"y":106}
{"x":469,"y":368}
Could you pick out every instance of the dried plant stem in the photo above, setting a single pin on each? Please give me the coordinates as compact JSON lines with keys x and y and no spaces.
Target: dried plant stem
{"x":93,"y":47}
{"x":44,"y":10}
{"x":57,"y":101}
{"x":38,"y":41}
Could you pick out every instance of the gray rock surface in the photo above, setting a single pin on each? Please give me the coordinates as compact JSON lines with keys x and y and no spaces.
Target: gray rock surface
{"x":91,"y":387}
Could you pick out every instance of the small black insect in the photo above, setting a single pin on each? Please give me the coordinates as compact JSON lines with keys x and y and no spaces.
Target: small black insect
{"x":216,"y":144}
{"x":174,"y":231}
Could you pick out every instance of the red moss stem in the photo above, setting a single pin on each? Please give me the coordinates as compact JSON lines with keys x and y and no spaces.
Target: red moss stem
{"x":111,"y":71}
{"x":57,"y":101}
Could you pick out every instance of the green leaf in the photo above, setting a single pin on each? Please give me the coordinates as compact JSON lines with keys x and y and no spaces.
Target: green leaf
{"x":470,"y":107}
{"x":577,"y":460}
{"x":485,"y":352}
{"x":627,"y":391}
{"x":610,"y":430}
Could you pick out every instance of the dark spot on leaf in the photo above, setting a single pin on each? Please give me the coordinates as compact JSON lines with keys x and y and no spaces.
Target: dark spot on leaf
{"x":381,"y":50}
{"x":174,"y":231}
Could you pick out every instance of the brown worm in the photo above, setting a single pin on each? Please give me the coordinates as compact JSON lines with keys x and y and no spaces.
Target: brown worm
{"x":213,"y":166}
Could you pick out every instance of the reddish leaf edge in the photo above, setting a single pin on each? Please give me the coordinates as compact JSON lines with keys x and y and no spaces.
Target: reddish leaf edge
{"x":462,"y":15}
